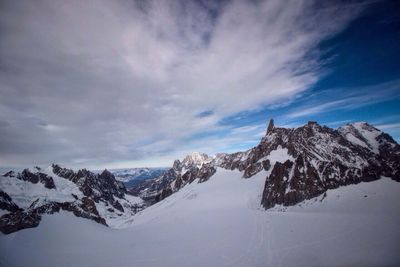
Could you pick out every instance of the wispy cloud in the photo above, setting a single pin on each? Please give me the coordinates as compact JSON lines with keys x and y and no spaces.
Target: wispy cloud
{"x":388,"y":126}
{"x":345,"y":99}
{"x":84,"y":83}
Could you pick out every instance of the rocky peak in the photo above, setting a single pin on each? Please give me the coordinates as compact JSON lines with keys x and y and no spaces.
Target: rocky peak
{"x":365,"y":135}
{"x":312,"y":123}
{"x":27,"y":175}
{"x":62,"y":172}
{"x":195,"y":159}
{"x":270,"y":126}
{"x":106,"y":175}
{"x":6,"y":203}
{"x":177,"y":166}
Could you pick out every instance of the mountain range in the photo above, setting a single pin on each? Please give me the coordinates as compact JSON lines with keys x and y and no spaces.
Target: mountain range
{"x":296,"y":164}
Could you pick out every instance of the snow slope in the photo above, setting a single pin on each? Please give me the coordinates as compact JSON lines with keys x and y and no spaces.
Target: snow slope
{"x":220,"y":223}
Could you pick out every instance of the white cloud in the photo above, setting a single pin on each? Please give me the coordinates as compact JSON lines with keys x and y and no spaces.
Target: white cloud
{"x":348,"y":99}
{"x":114,"y":81}
{"x":388,"y":126}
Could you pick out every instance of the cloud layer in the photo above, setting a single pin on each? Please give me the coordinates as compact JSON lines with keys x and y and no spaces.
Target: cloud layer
{"x":100,"y":82}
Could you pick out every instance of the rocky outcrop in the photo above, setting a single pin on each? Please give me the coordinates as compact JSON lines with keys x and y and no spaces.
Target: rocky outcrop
{"x":99,"y":187}
{"x":27,"y":175}
{"x":149,"y":190}
{"x":253,"y":169}
{"x":22,"y":219}
{"x":205,"y":172}
{"x":9,"y":174}
{"x":197,"y":166}
{"x":18,"y":220}
{"x":6,"y":202}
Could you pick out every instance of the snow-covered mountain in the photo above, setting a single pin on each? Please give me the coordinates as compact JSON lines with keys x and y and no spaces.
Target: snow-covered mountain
{"x":27,"y":195}
{"x":133,"y":176}
{"x":301,"y":163}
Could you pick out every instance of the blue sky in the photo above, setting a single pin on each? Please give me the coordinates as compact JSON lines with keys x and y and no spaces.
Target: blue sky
{"x":362,"y":80}
{"x":141,"y":83}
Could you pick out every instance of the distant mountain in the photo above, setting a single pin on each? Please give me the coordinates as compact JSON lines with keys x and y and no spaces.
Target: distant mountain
{"x":133,"y":176}
{"x":158,"y":188}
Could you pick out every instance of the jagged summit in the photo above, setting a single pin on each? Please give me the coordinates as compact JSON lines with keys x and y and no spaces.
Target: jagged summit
{"x":270,"y":126}
{"x":196,"y":158}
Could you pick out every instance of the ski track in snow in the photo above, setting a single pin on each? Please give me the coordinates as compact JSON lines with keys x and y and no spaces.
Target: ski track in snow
{"x":221,"y":223}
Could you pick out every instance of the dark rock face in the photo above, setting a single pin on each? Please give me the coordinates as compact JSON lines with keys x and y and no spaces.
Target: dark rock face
{"x":253,"y":169}
{"x":270,"y":126}
{"x":324,"y":159}
{"x":266,"y":164}
{"x":27,"y":175}
{"x":6,"y":202}
{"x":98,"y":187}
{"x":22,"y":219}
{"x":18,"y":220}
{"x":196,"y":166}
{"x":9,"y":174}
{"x":205,"y":172}
{"x":149,"y":190}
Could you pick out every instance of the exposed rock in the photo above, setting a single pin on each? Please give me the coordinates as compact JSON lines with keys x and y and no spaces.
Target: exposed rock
{"x":18,"y":220}
{"x":98,"y":187}
{"x":6,"y":202}
{"x":9,"y":174}
{"x":118,"y":206}
{"x":252,"y":169}
{"x":270,"y":126}
{"x":266,"y":164}
{"x":149,"y":190}
{"x":27,"y":175}
{"x":326,"y":159}
{"x":31,"y":217}
{"x":205,"y":172}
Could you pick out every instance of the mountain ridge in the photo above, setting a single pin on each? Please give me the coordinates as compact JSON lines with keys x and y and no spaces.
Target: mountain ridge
{"x":317,"y":157}
{"x":298,"y":163}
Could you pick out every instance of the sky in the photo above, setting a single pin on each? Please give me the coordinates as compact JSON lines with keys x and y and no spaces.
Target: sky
{"x":111,"y":84}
